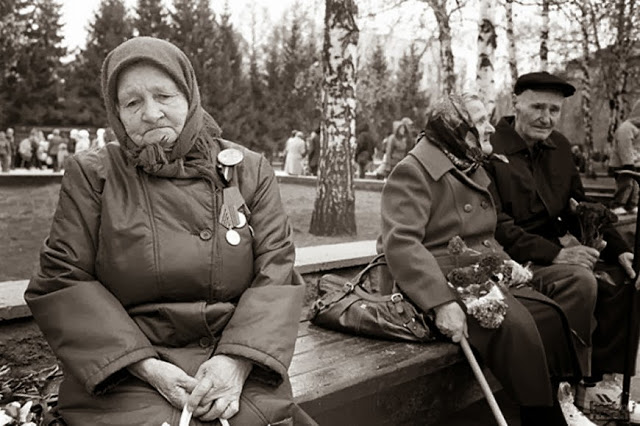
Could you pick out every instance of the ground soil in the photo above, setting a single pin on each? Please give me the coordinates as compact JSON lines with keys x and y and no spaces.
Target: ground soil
{"x":26,"y":213}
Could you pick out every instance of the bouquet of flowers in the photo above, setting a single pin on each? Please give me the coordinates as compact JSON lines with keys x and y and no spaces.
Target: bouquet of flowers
{"x":480,"y":285}
{"x":592,"y":217}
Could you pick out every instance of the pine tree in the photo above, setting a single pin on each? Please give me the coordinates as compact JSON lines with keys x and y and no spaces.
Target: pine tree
{"x":110,"y":27}
{"x":376,"y":100}
{"x":37,"y":86}
{"x":152,"y":19}
{"x":229,"y":100}
{"x":193,"y":29}
{"x":13,"y":41}
{"x":410,"y":99}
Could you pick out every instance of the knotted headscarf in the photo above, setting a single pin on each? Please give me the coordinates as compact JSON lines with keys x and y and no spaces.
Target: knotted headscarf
{"x":194,"y":152}
{"x":448,"y":123}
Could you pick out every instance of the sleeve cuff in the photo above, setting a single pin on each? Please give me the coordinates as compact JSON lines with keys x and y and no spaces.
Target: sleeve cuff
{"x":114,"y":372}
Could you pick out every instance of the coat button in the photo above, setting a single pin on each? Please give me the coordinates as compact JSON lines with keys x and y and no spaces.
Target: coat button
{"x":468,"y":208}
{"x":484,"y":204}
{"x":205,"y":342}
{"x":206,"y":234}
{"x":486,"y":243}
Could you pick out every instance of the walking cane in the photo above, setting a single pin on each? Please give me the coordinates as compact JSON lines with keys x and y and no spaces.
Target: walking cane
{"x":477,"y":371}
{"x":634,"y":328}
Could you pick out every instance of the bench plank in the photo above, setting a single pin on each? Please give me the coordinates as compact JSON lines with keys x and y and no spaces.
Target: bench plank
{"x":341,"y":379}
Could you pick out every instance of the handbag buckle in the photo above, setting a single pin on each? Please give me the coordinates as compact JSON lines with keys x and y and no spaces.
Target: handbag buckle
{"x":319,"y":305}
{"x":396,"y":297}
{"x":349,"y":287}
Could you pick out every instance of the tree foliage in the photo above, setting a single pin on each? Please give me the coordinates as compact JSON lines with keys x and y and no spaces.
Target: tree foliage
{"x":111,"y":26}
{"x":152,"y":19}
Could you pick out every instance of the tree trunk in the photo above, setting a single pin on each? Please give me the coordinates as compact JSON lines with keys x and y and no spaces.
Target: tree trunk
{"x":334,"y":211}
{"x":513,"y":60}
{"x":485,"y":80}
{"x":544,"y":37}
{"x":586,"y":83}
{"x":446,"y":53}
{"x":625,"y":10}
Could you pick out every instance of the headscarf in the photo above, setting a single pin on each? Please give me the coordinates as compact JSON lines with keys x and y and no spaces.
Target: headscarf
{"x":194,"y":152}
{"x":448,"y":123}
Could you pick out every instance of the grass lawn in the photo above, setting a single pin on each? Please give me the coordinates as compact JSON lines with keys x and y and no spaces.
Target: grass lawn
{"x":26,"y":212}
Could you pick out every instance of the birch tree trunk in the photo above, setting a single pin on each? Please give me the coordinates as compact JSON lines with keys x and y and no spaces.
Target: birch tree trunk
{"x":487,"y":41}
{"x":334,"y":210}
{"x":544,"y":37}
{"x":625,"y":10}
{"x":446,"y":52}
{"x":513,"y":60}
{"x":586,"y":91}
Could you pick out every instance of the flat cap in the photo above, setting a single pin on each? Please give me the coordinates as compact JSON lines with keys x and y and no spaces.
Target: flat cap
{"x":543,"y":81}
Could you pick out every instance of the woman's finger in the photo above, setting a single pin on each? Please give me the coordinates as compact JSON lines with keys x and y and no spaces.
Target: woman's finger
{"x":203,"y":408}
{"x":198,"y":393}
{"x":218,"y":408}
{"x":232,"y":409}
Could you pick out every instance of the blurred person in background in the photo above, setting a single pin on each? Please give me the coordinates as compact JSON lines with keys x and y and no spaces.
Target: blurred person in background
{"x":5,"y":153}
{"x":625,"y":155}
{"x":314,"y":151}
{"x":98,"y":142}
{"x":54,"y":146}
{"x":82,"y":142}
{"x":295,"y":151}
{"x":365,"y":147}
{"x":15,"y":155}
{"x":26,"y":149}
{"x":397,"y":146}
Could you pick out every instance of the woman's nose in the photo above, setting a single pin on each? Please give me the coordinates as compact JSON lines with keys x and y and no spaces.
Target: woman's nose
{"x":151,"y":111}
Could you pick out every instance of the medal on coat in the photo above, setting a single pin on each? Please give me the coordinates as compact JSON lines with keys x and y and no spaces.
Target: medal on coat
{"x":228,"y":158}
{"x":233,"y":237}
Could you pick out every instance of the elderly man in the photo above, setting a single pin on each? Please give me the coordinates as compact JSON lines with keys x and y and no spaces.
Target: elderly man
{"x":532,"y":193}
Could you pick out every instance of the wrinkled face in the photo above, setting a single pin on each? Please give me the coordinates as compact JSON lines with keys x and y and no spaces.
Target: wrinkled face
{"x":480,"y":119}
{"x":151,"y":107}
{"x":537,"y":114}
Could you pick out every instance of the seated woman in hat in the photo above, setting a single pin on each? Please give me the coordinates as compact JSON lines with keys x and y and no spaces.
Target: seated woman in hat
{"x":441,"y":191}
{"x":167,"y":279}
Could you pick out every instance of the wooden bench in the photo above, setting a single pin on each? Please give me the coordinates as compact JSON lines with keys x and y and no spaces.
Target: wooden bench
{"x":339,"y":379}
{"x":347,"y":380}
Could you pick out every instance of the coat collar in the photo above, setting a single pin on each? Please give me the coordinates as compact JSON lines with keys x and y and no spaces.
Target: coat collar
{"x":507,"y":141}
{"x":437,"y":165}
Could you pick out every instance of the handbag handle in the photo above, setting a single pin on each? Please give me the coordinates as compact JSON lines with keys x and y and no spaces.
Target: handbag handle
{"x":378,"y":260}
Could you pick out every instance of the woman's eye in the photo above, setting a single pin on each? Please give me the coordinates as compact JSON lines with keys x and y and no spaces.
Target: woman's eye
{"x":131,"y":103}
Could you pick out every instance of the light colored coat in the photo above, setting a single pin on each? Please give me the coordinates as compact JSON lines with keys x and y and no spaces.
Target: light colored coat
{"x":626,"y":145}
{"x":296,"y":149}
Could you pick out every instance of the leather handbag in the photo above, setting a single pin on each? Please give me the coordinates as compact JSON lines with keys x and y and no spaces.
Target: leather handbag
{"x":370,"y":305}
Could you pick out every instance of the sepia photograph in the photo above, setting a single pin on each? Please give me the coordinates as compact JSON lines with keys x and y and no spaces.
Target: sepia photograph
{"x":319,"y":212}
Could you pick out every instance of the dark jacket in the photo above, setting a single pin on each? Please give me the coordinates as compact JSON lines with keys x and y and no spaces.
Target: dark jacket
{"x":137,"y":266}
{"x":532,"y":195}
{"x":365,"y":147}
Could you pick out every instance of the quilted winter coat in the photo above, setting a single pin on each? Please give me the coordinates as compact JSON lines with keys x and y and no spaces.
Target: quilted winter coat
{"x":138,"y":266}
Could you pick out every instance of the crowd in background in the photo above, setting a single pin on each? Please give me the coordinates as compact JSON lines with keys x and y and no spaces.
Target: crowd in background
{"x":38,"y":151}
{"x":376,"y":158}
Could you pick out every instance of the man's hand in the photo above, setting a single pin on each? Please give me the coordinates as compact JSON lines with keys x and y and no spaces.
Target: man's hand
{"x":451,"y":321}
{"x":220,"y":383}
{"x":168,"y":379}
{"x":626,"y":261}
{"x":578,"y":255}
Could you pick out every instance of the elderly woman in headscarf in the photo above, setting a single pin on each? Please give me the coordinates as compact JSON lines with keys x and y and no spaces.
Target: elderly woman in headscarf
{"x":167,"y":281}
{"x":441,"y":191}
